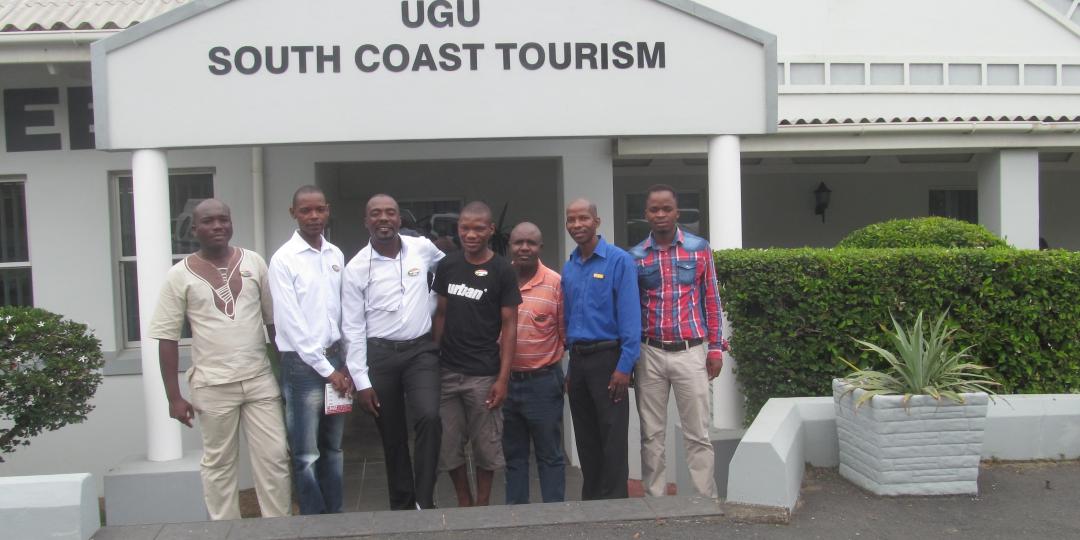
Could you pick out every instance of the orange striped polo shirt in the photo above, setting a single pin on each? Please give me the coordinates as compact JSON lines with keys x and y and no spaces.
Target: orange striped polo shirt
{"x":540,"y":327}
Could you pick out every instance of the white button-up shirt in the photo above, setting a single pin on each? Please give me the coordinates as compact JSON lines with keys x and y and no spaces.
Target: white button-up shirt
{"x":306,"y":286}
{"x":386,"y":298}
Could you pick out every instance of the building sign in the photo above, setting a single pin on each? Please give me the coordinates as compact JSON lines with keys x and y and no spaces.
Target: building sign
{"x":29,"y":123}
{"x":280,"y":71}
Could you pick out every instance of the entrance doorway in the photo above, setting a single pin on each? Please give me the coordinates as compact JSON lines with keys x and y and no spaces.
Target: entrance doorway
{"x":432,"y":192}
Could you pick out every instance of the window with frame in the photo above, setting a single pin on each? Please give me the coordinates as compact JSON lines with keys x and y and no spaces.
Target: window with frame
{"x":16,"y":280}
{"x":186,"y":190}
{"x":962,"y":204}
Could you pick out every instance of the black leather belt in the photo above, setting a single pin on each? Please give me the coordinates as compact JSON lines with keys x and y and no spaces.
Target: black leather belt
{"x":398,"y":346}
{"x":590,"y":347}
{"x":526,"y":375}
{"x":673,"y":346}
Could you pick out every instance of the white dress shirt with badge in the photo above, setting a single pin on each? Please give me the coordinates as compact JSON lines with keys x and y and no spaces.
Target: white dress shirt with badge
{"x":306,"y":286}
{"x":386,"y":298}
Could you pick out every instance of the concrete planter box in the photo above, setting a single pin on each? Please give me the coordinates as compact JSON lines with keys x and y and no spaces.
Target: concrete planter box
{"x":60,"y":506}
{"x":923,"y":447}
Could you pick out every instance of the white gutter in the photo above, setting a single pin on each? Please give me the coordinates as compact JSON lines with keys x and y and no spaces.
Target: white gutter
{"x":258,"y":189}
{"x":969,"y":128}
{"x":48,"y":47}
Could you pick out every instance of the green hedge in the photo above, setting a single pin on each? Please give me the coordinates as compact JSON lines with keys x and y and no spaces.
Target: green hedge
{"x":922,"y":233}
{"x":794,"y":312}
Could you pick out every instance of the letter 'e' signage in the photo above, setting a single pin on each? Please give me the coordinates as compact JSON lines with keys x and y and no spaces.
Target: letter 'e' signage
{"x":280,"y":71}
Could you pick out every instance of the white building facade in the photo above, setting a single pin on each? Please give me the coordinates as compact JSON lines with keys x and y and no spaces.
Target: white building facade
{"x":968,"y":108}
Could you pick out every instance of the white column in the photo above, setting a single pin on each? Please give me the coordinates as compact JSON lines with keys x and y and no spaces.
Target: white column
{"x":725,"y":232}
{"x":1009,"y":196}
{"x":153,"y":243}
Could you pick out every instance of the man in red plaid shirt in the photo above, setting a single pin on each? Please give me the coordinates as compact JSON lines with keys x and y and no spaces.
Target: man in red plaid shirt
{"x":682,"y":343}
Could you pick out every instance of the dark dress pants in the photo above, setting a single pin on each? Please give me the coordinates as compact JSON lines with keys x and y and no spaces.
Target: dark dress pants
{"x":600,"y":426}
{"x":407,"y":384}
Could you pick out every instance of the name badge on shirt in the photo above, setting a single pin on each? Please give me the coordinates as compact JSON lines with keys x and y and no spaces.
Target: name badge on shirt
{"x":413,"y":272}
{"x":481,"y":272}
{"x":598,"y":276}
{"x":245,"y":273}
{"x":336,"y":268}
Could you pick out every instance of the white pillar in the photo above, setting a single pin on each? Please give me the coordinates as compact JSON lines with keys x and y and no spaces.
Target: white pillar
{"x":153,"y":243}
{"x":1009,"y":196}
{"x":725,"y":232}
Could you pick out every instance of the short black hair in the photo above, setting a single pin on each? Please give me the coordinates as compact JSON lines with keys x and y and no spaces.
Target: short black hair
{"x":661,"y":188}
{"x":306,"y":190}
{"x":479,"y":209}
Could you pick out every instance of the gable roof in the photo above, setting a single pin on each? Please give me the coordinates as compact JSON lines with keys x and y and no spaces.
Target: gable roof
{"x":66,"y":15}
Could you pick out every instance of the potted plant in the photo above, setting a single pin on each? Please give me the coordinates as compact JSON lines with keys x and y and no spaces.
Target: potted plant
{"x":915,"y":428}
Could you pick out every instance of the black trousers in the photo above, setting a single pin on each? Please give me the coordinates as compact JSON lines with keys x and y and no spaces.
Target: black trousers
{"x":407,"y":384}
{"x":600,"y":426}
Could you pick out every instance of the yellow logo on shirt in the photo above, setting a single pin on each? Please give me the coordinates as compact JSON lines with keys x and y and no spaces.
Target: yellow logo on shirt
{"x":598,"y":276}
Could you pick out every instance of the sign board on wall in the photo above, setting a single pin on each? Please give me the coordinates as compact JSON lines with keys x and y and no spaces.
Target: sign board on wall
{"x":240,"y":72}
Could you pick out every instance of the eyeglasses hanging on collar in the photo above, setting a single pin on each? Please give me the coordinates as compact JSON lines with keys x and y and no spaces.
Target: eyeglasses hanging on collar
{"x":388,"y":302}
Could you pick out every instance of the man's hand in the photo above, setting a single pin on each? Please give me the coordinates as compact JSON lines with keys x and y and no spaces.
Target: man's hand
{"x":369,"y":401}
{"x":714,"y":363}
{"x":617,"y":386}
{"x":496,"y":395}
{"x":341,"y":382}
{"x":182,"y":411}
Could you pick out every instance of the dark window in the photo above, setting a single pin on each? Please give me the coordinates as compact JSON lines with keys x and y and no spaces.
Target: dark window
{"x":960,"y":204}
{"x":16,"y":283}
{"x":185,"y":191}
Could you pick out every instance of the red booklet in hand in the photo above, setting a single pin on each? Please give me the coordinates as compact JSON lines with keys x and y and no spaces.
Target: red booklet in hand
{"x":335,"y":403}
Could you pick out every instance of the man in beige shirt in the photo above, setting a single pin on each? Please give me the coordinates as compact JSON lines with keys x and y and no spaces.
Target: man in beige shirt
{"x":223,"y":292}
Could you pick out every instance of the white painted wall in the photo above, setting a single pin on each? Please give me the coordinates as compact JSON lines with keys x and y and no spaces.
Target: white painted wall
{"x":112,"y":432}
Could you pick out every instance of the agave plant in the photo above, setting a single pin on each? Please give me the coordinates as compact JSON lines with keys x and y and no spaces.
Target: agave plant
{"x":924,"y":363}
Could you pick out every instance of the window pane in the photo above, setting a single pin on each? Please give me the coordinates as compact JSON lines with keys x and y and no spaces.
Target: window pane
{"x":807,"y":73}
{"x":965,"y":74}
{"x":13,"y":243}
{"x":185,"y":192}
{"x":17,"y":287}
{"x":887,"y":74}
{"x":927,"y":74}
{"x":1003,"y":74}
{"x":127,"y":217}
{"x":848,"y":73}
{"x":129,"y":276}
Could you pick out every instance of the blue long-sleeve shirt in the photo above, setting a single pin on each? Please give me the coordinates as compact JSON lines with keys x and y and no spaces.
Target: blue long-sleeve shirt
{"x":601,"y":303}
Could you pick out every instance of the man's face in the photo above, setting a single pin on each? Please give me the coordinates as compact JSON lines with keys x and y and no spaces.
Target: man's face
{"x":581,"y":223}
{"x":525,"y":246}
{"x":383,"y":220}
{"x":662,"y":212}
{"x":212,"y":226}
{"x":311,"y":213}
{"x":475,"y":231}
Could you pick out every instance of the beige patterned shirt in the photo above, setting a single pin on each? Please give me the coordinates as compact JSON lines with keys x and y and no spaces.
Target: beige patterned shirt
{"x":228,"y":339}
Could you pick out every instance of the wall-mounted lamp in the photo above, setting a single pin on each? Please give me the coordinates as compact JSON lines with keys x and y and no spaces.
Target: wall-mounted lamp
{"x":821,"y":200}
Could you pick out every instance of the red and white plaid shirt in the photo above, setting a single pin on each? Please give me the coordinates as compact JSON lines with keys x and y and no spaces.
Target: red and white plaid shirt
{"x":679,"y":297}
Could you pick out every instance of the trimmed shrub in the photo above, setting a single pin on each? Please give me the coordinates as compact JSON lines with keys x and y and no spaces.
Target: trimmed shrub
{"x":796,"y":313}
{"x":50,"y":367}
{"x":922,"y":233}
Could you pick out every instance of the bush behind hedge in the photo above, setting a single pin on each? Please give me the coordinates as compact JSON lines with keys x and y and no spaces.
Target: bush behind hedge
{"x":794,"y":312}
{"x":922,"y":233}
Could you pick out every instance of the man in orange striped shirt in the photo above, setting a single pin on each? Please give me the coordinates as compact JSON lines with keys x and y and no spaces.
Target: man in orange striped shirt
{"x":534,"y":404}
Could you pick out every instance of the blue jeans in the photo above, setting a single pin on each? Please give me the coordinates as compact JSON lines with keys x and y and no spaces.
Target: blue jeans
{"x":314,"y":438}
{"x":534,"y":409}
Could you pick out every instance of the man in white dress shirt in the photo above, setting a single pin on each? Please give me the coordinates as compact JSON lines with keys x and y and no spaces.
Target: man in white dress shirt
{"x":386,"y":324}
{"x":305,"y":280}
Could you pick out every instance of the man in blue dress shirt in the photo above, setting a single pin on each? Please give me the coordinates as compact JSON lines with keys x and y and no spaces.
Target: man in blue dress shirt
{"x":603,"y":332}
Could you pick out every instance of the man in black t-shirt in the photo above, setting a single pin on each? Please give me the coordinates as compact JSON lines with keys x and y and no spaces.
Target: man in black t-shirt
{"x":478,"y":299}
